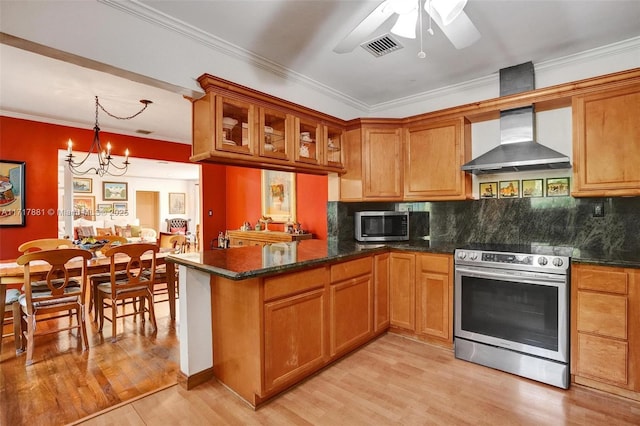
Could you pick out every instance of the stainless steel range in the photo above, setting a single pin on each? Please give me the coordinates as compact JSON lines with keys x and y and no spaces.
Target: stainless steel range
{"x":512,"y":310}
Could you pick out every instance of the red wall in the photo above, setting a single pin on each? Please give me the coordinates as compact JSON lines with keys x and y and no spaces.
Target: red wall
{"x":243,"y":201}
{"x":232,"y":194}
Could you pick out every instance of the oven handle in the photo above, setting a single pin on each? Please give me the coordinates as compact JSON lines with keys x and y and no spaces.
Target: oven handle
{"x":529,"y":276}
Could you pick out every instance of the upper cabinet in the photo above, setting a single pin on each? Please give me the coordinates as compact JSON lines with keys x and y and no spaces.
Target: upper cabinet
{"x":389,"y":161}
{"x":433,"y":155}
{"x":239,"y":126}
{"x":606,"y":146}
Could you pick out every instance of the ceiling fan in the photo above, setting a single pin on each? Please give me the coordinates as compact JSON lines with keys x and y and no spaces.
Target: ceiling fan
{"x":447,"y":14}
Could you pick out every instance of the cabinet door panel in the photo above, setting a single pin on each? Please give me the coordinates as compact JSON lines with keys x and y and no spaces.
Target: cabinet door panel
{"x":603,"y":314}
{"x":432,"y":311}
{"x":351,"y":313}
{"x":433,"y":156}
{"x":602,"y":358}
{"x":402,"y":290}
{"x":603,"y":167}
{"x":293,"y":337}
{"x":382,"y":164}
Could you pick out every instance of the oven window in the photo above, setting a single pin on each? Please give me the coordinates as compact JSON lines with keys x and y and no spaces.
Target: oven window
{"x":518,"y":312}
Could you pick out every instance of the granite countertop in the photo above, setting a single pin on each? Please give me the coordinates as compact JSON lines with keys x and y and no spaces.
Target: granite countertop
{"x":249,"y":262}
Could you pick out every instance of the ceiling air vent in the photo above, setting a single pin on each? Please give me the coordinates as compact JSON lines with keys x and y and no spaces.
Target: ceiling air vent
{"x":382,"y":45}
{"x":144,"y":132}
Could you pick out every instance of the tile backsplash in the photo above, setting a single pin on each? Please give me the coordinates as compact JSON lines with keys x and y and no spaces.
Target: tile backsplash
{"x":551,"y":220}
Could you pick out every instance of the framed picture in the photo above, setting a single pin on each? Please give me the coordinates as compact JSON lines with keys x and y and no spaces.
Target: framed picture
{"x":82,"y":185}
{"x":114,"y":191}
{"x":278,"y":197}
{"x":12,"y":193}
{"x":532,"y":188}
{"x":509,"y":189}
{"x":177,"y":202}
{"x":489,"y":190}
{"x":558,"y":187}
{"x":84,"y":207}
{"x":120,"y":209}
{"x":104,"y":209}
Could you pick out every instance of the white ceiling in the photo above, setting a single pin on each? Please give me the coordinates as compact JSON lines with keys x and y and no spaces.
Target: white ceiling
{"x":291,"y":39}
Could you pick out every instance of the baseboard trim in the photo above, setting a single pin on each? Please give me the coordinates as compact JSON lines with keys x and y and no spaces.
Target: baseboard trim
{"x":190,"y":382}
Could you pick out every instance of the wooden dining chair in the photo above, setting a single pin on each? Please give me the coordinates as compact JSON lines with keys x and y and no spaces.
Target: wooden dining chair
{"x":44,"y":244}
{"x":97,"y":279}
{"x":136,"y":284}
{"x":177,"y":244}
{"x":60,"y":297}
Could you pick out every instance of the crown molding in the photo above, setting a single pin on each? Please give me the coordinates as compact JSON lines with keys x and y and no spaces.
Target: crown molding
{"x":149,"y":14}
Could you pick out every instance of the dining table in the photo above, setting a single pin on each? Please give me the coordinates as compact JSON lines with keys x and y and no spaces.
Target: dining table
{"x":13,"y":274}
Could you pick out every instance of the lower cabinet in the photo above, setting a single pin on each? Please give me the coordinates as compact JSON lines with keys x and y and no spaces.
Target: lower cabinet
{"x":381,"y":292}
{"x":605,"y":334}
{"x":351,"y":305}
{"x":270,"y":333}
{"x":421,"y":292}
{"x":293,"y":337}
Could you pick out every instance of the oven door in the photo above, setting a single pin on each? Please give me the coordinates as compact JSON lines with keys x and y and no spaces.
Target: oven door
{"x":522,"y":311}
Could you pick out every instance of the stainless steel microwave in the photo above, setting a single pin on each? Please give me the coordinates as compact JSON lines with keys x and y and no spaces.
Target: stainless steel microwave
{"x":382,"y":226}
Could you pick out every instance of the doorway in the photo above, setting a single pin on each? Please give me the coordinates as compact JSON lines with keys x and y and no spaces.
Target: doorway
{"x":148,"y":209}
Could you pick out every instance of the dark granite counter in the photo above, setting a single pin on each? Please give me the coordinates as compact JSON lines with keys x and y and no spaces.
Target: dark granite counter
{"x":618,"y":258}
{"x":249,"y":262}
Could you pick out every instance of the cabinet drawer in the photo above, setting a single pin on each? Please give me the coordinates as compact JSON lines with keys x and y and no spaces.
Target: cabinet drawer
{"x":296,"y":282}
{"x":603,"y":314}
{"x":603,"y":359}
{"x":434,"y":263}
{"x":350,"y":269}
{"x":601,"y":279}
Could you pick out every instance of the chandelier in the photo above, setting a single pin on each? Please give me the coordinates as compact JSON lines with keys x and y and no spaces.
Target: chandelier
{"x":106,"y":164}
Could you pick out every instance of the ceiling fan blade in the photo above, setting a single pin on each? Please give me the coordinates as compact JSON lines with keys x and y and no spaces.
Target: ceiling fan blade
{"x":364,"y":28}
{"x":461,"y":32}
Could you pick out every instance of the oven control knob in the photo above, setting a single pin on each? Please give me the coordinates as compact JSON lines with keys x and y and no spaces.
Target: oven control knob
{"x":473,"y":255}
{"x":542,"y":261}
{"x":557,"y":262}
{"x":462,"y":255}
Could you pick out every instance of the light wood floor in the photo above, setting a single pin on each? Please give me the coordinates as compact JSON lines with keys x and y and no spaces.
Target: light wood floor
{"x":65,"y":384}
{"x":392,"y":380}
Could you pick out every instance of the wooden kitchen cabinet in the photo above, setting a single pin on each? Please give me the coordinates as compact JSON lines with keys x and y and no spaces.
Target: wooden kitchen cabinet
{"x":605,"y":328}
{"x":434,"y":296}
{"x":294,"y":326}
{"x":382,"y":163}
{"x":263,"y":131}
{"x":350,"y":305}
{"x":606,"y":152}
{"x":421,"y":296}
{"x":433,"y":155}
{"x":402,"y":284}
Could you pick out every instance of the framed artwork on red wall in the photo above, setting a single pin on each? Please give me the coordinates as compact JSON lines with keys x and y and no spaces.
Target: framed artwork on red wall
{"x":278,"y":195}
{"x":12,"y":194}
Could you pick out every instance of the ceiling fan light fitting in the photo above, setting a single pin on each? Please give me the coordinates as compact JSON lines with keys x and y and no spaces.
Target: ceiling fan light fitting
{"x":405,"y":25}
{"x":446,"y":10}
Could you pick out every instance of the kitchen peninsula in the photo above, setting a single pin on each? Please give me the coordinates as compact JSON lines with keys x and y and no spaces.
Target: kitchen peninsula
{"x":261,"y":319}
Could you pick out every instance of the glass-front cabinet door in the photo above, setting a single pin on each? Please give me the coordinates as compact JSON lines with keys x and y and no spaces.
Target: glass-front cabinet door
{"x":308,"y":141}
{"x":333,"y":146}
{"x":273,"y":135}
{"x":235,"y":124}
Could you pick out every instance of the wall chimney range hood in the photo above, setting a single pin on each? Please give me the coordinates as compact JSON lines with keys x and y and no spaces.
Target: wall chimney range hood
{"x":518,"y":150}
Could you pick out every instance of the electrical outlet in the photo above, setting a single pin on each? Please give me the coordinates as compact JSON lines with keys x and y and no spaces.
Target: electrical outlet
{"x":598,"y":209}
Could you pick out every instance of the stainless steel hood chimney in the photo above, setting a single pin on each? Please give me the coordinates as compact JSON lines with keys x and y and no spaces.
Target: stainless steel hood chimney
{"x":518,"y":150}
